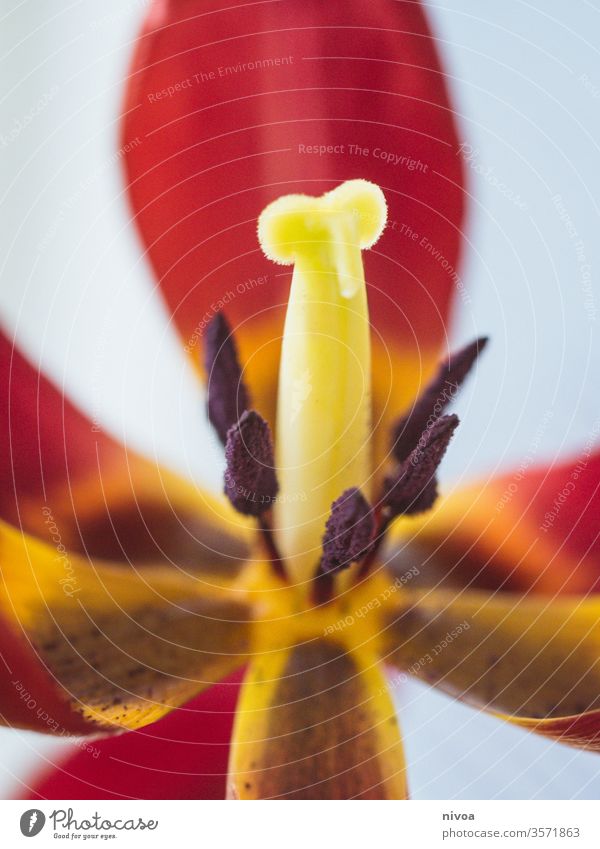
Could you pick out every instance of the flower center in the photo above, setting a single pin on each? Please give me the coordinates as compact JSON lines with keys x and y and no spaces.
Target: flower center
{"x":313,"y":501}
{"x":283,"y":617}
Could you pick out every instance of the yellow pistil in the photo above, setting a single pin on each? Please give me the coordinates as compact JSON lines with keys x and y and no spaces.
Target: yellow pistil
{"x":324,"y":400}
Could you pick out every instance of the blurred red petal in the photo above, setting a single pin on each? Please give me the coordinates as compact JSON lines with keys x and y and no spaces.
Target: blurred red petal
{"x":582,"y":730}
{"x":224,"y":107}
{"x":65,"y":480}
{"x":44,"y":439}
{"x":532,"y":529}
{"x":183,"y":756}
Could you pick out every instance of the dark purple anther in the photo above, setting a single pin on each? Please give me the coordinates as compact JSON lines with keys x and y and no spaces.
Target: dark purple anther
{"x":250,"y":479}
{"x":227,"y":396}
{"x":348,"y":532}
{"x":412,"y":487}
{"x":436,"y":397}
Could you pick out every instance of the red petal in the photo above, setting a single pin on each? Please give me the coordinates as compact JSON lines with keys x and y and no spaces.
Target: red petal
{"x":184,"y":756}
{"x":63,"y":479}
{"x":205,"y":150}
{"x":531,"y":529}
{"x":582,"y":730}
{"x":44,"y":440}
{"x":562,"y":504}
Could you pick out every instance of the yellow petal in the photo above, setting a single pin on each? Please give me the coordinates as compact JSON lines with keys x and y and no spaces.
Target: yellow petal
{"x":120,"y":647}
{"x":528,"y":658}
{"x":316,"y":722}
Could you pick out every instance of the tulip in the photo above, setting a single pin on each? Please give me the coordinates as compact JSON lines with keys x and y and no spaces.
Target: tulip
{"x":131,"y":600}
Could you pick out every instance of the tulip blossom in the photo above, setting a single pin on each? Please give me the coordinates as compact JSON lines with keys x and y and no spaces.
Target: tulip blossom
{"x":241,"y":642}
{"x":316,"y":611}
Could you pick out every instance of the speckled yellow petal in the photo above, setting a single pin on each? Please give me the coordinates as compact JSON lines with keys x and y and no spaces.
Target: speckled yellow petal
{"x":315,"y":722}
{"x":534,"y":660}
{"x":99,"y":647}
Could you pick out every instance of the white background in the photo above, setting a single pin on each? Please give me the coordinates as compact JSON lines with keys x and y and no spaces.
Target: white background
{"x":76,"y":290}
